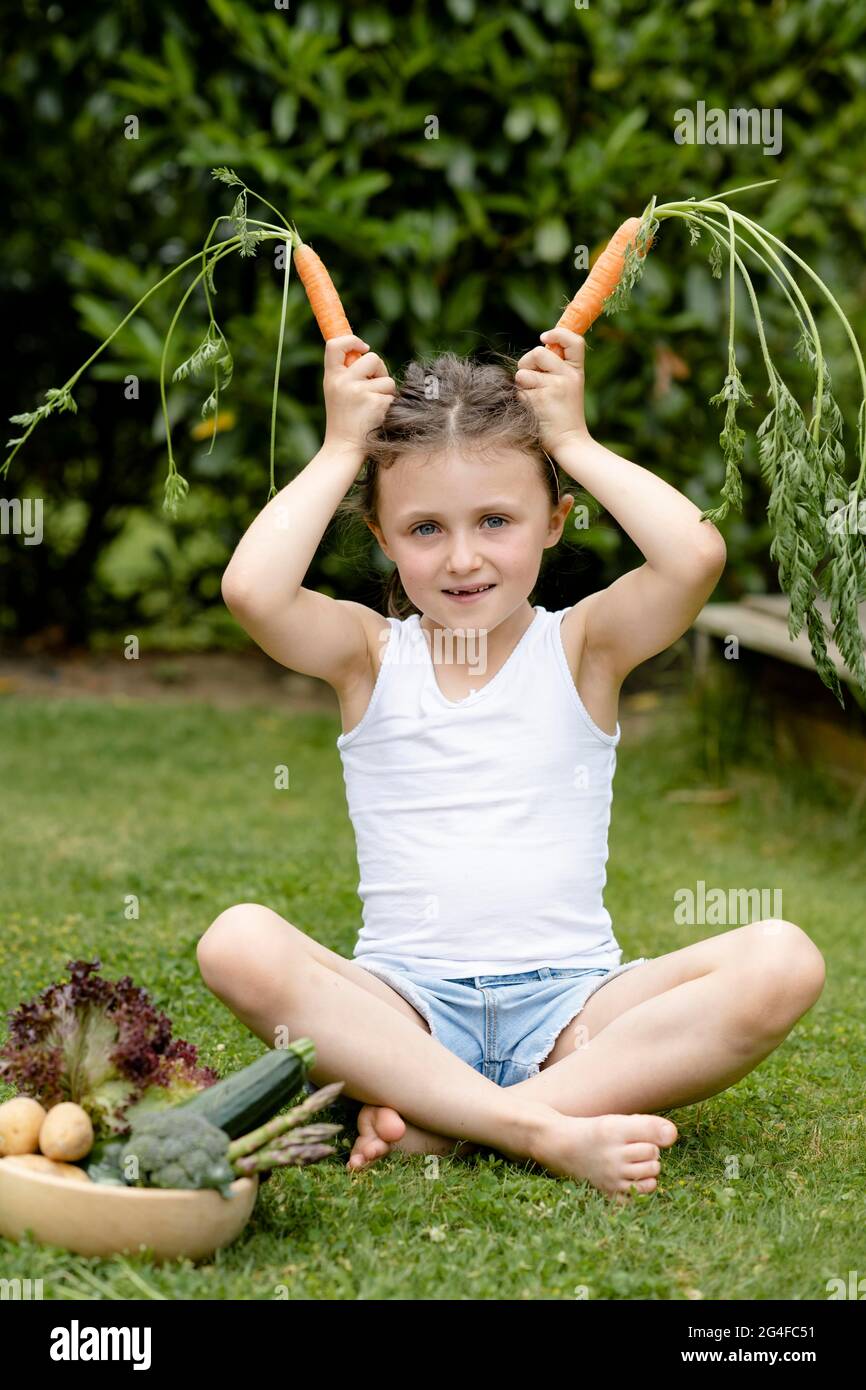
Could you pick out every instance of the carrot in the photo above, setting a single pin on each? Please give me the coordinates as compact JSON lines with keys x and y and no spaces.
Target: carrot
{"x":601,"y":281}
{"x":322,"y":294}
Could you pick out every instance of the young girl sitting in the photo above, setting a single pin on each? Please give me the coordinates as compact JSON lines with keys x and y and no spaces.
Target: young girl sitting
{"x":487,"y":1001}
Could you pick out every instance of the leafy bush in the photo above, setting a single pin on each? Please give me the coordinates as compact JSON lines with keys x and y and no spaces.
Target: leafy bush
{"x":447,"y":162}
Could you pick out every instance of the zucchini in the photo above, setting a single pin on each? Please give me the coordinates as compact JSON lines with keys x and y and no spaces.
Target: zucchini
{"x":247,"y":1098}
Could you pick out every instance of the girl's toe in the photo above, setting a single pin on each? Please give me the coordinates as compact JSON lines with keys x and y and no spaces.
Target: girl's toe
{"x":367,"y":1148}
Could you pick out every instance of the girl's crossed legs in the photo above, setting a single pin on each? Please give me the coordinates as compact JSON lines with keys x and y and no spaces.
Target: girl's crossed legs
{"x":677,"y":1029}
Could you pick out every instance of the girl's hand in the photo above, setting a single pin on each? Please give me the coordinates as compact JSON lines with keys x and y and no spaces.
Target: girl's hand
{"x":356,"y":397}
{"x":554,"y":388}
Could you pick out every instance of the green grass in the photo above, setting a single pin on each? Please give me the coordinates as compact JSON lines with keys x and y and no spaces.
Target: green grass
{"x":177,"y":805}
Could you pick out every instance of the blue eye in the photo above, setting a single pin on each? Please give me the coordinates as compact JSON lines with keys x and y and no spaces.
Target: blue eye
{"x":416,"y":529}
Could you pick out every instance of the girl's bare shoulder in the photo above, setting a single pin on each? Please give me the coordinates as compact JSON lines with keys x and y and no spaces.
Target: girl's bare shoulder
{"x":355,"y":690}
{"x":596,"y":686}
{"x":377,"y":629}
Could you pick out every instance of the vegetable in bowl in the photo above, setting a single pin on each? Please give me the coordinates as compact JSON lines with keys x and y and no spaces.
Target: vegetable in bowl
{"x":102,"y":1044}
{"x":107,"y":1088}
{"x":183,"y":1148}
{"x":172,"y":1149}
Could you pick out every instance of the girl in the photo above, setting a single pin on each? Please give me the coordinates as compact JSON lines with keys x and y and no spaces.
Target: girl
{"x":479,"y":747}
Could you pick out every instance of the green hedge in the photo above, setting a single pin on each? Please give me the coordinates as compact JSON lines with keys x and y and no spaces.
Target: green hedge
{"x":554,"y":123}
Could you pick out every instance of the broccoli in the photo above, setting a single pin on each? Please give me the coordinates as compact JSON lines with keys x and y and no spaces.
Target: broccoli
{"x":173,"y":1149}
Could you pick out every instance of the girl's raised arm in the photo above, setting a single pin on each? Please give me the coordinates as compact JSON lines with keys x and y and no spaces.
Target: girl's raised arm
{"x":646,"y":610}
{"x":262,"y":584}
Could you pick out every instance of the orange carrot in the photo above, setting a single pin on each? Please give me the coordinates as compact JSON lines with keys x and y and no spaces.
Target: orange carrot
{"x":604,"y":277}
{"x":322,"y":294}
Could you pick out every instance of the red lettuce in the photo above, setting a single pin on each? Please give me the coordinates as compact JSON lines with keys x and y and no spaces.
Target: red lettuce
{"x":102,"y":1044}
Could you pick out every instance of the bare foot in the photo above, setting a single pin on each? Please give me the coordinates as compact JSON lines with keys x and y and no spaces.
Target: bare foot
{"x":613,"y":1152}
{"x":381,"y":1128}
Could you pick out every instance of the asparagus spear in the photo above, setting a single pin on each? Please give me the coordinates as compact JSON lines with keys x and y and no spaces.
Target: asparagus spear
{"x":247,"y":1143}
{"x":307,"y":1134}
{"x":296,"y":1155}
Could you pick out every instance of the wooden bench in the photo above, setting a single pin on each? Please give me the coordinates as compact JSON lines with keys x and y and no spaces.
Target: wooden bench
{"x":808,"y":721}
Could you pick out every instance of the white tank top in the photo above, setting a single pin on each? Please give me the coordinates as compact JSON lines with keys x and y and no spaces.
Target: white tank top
{"x":481,"y":824}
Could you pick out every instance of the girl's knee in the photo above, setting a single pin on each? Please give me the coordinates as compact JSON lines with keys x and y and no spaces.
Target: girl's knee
{"x":785,"y":975}
{"x":793,"y":953}
{"x":250,"y":954}
{"x":226,"y":944}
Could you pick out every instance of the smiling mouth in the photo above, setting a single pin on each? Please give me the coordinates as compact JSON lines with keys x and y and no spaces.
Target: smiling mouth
{"x":476,"y":589}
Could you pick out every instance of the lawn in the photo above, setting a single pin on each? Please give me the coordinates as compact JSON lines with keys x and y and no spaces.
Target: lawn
{"x":177,"y":806}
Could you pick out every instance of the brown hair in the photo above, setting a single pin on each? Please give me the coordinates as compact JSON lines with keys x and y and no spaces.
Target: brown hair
{"x":442,"y":401}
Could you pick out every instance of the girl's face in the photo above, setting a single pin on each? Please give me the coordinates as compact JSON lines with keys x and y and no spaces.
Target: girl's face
{"x":456,"y":520}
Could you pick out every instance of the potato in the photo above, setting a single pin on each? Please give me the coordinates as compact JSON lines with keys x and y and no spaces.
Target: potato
{"x":20,"y":1122}
{"x":66,"y":1133}
{"x":38,"y":1163}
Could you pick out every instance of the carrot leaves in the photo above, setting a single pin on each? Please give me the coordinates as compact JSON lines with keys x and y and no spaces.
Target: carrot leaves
{"x":817,"y":518}
{"x":227,"y":176}
{"x":59,"y":399}
{"x":212,"y":353}
{"x":732,"y":439}
{"x":211,"y":347}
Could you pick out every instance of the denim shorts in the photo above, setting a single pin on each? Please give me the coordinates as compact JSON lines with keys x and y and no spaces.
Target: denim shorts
{"x":504,"y":1026}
